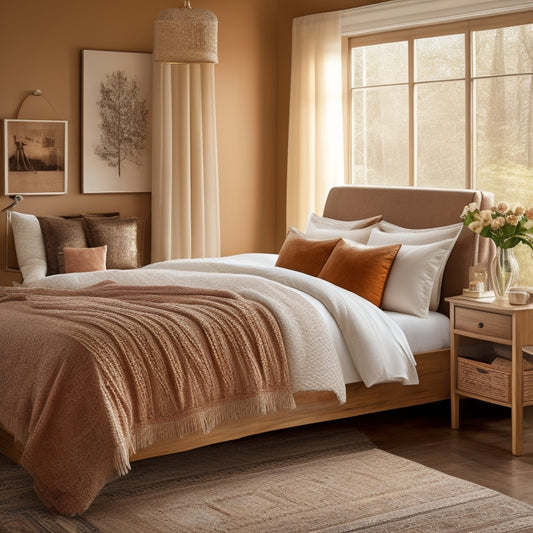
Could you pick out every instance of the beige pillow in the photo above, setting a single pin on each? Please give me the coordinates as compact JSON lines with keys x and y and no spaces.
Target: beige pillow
{"x":363,"y":271}
{"x":59,"y":233}
{"x":328,"y":228}
{"x":120,"y":236}
{"x":303,"y":254}
{"x":85,"y":259}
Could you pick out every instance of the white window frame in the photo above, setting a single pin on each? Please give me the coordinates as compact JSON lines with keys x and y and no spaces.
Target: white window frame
{"x":402,"y":14}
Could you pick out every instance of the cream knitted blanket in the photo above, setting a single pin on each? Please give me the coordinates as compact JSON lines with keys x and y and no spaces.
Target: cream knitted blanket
{"x":110,"y":369}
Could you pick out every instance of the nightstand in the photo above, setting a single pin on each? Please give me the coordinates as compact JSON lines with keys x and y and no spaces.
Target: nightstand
{"x":477,"y":323}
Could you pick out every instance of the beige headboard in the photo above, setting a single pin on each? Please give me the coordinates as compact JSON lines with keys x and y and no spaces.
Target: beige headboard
{"x":415,"y":207}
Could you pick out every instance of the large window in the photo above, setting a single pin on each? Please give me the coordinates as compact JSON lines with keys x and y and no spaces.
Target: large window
{"x":446,"y":106}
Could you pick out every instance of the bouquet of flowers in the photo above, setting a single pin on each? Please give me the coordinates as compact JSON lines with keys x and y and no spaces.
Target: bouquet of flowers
{"x":506,"y":226}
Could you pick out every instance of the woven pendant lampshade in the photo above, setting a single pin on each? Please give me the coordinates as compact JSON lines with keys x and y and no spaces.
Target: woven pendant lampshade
{"x":185,"y":35}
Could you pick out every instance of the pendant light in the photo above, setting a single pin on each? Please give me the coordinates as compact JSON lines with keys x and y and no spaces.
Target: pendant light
{"x":185,"y":35}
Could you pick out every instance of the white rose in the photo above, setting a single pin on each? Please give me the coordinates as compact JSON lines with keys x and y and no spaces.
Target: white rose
{"x":485,"y":216}
{"x":476,"y":226}
{"x":513,"y":220}
{"x":497,"y":223}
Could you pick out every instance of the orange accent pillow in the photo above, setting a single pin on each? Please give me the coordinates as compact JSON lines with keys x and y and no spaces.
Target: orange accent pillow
{"x":304,"y":255}
{"x":360,"y":269}
{"x":85,"y":259}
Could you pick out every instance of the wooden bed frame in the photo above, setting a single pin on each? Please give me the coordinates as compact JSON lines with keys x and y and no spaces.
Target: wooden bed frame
{"x":408,"y":207}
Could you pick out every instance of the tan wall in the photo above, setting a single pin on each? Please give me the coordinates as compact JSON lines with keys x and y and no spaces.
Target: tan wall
{"x":40,"y":44}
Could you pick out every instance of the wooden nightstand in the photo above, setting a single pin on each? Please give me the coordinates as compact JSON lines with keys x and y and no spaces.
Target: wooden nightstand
{"x":501,"y":382}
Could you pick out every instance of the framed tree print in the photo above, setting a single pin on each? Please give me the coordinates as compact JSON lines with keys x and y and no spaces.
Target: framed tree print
{"x":116,"y":133}
{"x":35,"y":156}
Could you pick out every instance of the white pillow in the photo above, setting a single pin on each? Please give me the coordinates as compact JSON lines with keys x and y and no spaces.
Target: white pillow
{"x":452,"y":230}
{"x":29,"y":245}
{"x":388,"y":233}
{"x":328,"y":228}
{"x":412,"y":277}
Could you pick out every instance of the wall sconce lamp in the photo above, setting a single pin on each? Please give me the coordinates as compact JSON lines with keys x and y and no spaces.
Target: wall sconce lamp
{"x":185,"y":35}
{"x":16,"y":199}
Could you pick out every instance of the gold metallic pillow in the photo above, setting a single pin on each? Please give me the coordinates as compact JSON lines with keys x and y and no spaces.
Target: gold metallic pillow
{"x":59,"y":233}
{"x":120,"y":236}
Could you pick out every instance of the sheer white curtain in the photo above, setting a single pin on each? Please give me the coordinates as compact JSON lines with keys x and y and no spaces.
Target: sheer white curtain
{"x":185,"y":205}
{"x":316,"y":145}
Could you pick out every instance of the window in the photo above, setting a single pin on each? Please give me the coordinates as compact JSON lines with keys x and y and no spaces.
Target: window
{"x":446,"y":106}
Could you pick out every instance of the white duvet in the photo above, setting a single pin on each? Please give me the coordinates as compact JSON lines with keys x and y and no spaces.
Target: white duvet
{"x":376,"y":345}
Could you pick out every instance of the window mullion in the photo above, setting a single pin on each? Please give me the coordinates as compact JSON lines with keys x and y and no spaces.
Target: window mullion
{"x":469,"y":113}
{"x":412,"y":125}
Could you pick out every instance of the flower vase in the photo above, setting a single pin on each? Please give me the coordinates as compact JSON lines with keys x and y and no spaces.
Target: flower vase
{"x":503,"y":272}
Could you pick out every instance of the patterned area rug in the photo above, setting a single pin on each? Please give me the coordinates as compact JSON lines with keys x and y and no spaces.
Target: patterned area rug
{"x":296,"y":480}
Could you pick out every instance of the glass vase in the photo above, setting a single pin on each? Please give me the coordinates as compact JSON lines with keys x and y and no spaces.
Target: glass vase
{"x":503,"y":272}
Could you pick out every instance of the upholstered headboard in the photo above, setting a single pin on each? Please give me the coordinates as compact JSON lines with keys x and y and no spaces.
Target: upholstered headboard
{"x":415,"y":207}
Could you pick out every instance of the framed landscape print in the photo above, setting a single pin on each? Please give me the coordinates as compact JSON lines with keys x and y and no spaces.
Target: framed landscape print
{"x":116,"y":133}
{"x":35,"y":156}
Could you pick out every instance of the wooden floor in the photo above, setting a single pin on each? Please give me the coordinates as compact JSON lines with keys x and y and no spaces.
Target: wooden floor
{"x":479,"y":451}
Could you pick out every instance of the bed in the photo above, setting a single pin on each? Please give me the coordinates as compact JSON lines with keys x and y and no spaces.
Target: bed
{"x":418,"y":375}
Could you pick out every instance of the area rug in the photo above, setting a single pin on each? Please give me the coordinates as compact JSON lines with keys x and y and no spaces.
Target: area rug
{"x":325,"y":477}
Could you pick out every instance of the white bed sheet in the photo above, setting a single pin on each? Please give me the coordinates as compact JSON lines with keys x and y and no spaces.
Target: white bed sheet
{"x":423,"y":335}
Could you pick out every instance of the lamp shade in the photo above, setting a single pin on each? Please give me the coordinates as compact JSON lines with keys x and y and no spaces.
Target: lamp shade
{"x":185,"y":35}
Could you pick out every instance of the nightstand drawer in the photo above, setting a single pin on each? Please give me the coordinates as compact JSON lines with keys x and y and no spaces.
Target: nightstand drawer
{"x":483,"y":322}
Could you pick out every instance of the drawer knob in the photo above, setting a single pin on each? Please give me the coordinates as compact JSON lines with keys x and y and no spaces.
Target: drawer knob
{"x":480,"y":325}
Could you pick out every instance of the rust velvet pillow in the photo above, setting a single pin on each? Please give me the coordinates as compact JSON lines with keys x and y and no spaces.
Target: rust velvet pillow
{"x":85,"y":259}
{"x":360,"y":269}
{"x":303,"y":254}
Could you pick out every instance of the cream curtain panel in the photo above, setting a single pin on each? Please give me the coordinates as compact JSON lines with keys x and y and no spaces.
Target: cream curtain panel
{"x":185,"y":205}
{"x":316,"y":145}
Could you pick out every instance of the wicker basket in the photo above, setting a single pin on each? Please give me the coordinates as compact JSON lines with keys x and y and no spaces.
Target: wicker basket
{"x":492,"y":381}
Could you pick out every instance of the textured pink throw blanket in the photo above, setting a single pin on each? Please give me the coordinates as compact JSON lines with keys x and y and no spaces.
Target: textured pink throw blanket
{"x":88,"y":377}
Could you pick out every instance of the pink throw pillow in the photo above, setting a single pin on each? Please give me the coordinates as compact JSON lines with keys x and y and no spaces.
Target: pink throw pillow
{"x":85,"y":259}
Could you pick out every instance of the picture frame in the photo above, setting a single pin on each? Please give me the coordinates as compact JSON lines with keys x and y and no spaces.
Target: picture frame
{"x":35,"y":156}
{"x":116,"y":160}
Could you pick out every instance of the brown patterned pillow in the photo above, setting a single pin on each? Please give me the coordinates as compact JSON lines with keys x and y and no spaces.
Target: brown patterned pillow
{"x":120,"y":236}
{"x":59,"y":233}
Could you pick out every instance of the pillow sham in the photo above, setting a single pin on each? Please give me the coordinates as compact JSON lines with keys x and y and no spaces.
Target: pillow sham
{"x":413,"y":275}
{"x":29,"y":246}
{"x":303,"y":254}
{"x":363,"y":270}
{"x":59,"y":233}
{"x":388,"y":233}
{"x":84,"y":259}
{"x":448,"y":232}
{"x":120,"y":236}
{"x":328,"y":228}
{"x":317,"y":222}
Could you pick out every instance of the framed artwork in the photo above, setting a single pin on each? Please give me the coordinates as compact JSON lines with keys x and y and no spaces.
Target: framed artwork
{"x":35,"y":156}
{"x":116,"y":132}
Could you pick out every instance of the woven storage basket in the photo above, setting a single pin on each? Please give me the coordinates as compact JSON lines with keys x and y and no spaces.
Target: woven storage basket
{"x":492,"y":380}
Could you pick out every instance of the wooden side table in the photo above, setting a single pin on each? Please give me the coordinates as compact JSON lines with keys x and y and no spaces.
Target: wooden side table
{"x":474,"y":321}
